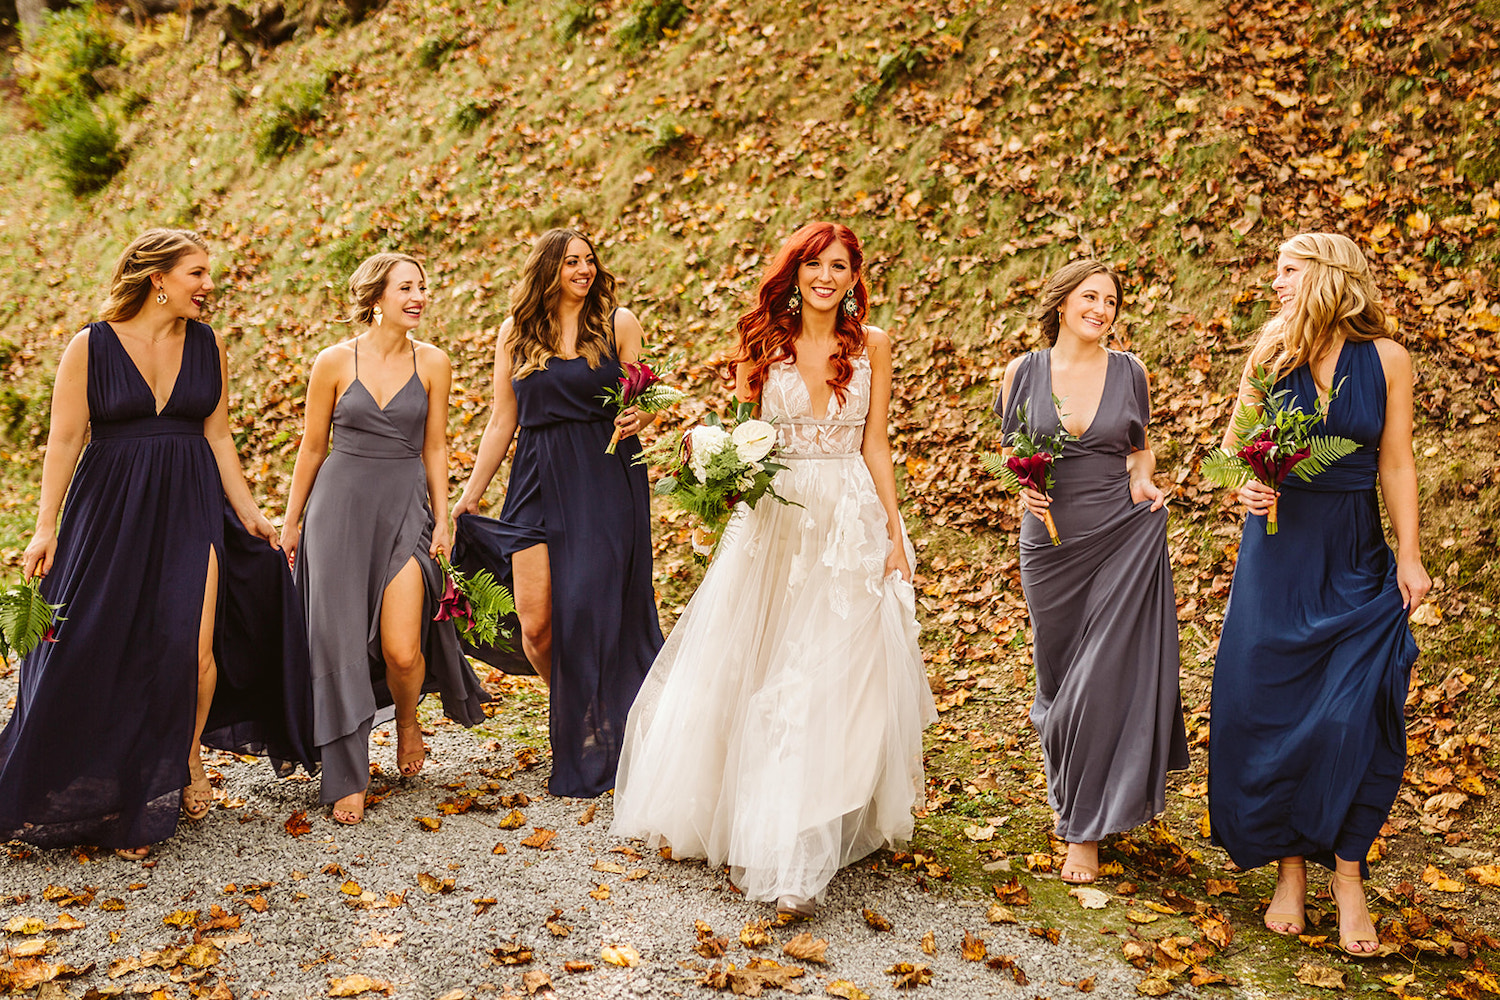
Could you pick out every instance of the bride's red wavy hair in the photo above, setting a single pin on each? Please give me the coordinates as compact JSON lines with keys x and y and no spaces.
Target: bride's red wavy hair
{"x":768,"y":331}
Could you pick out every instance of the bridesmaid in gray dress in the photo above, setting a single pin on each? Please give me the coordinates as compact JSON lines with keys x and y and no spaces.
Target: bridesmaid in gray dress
{"x":376,"y":517}
{"x":1103,"y":616}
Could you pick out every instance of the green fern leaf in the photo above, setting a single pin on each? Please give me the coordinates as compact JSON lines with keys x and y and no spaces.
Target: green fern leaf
{"x":1224,"y":469}
{"x":1324,"y":452}
{"x":995,"y":466}
{"x":25,"y":617}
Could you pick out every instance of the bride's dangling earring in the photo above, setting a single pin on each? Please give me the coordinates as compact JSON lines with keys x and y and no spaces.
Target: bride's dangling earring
{"x":378,"y":315}
{"x":161,"y":297}
{"x":794,"y":304}
{"x":851,"y":305}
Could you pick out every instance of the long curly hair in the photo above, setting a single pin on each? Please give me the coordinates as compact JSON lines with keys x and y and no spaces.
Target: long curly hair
{"x":768,"y":331}
{"x":1337,"y":294}
{"x":1058,"y":287}
{"x":156,"y":251}
{"x":536,"y":329}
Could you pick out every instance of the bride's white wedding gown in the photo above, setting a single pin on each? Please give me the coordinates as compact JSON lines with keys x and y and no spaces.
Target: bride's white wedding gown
{"x":780,"y":728}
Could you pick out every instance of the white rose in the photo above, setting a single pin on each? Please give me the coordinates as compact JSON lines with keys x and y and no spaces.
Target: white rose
{"x":707,"y":441}
{"x":753,"y":440}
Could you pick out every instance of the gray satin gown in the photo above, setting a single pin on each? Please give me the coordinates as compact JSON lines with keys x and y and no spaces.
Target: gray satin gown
{"x":366,"y":518}
{"x":1103,"y":615}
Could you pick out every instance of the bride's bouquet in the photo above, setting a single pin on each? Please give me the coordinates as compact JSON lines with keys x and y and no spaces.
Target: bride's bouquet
{"x":475,"y":604}
{"x":26,"y":619}
{"x":1274,"y":441}
{"x":641,"y":387}
{"x":1030,"y":463}
{"x":712,"y":468}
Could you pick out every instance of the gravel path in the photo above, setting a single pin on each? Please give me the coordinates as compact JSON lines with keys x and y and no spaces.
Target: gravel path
{"x":446,"y":913}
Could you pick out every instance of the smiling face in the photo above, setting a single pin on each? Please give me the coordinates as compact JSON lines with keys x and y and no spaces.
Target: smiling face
{"x":1089,"y":310}
{"x":578,"y":269}
{"x":405,"y":296}
{"x":186,"y":286}
{"x":1289,"y":271}
{"x":825,"y":279}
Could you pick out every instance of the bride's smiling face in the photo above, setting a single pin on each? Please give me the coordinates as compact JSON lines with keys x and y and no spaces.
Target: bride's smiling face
{"x":824,"y":280}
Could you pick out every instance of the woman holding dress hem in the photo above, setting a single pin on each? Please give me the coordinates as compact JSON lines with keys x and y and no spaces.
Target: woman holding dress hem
{"x":141,"y":564}
{"x":1102,"y":611}
{"x":779,"y":731}
{"x":1316,"y":660}
{"x":574,"y":533}
{"x":375,"y":504}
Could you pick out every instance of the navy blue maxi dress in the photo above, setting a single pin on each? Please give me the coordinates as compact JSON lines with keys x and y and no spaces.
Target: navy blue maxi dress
{"x":97,"y":748}
{"x":592,"y":511}
{"x":1307,"y":740}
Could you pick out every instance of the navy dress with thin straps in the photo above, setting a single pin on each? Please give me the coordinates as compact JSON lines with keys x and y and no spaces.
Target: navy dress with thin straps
{"x":592,"y":511}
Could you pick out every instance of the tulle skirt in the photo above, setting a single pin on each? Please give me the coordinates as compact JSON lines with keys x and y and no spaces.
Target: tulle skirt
{"x":780,"y":728}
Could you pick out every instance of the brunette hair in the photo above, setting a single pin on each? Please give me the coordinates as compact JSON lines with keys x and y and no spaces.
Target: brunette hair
{"x":156,"y":251}
{"x":367,"y":283}
{"x":536,"y":332}
{"x":768,"y":331}
{"x":1337,"y":294}
{"x":1062,"y":283}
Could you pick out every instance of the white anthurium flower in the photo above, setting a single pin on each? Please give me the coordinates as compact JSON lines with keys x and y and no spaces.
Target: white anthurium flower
{"x":753,"y":440}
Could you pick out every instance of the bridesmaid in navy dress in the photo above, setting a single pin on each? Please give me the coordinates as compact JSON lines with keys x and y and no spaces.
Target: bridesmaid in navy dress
{"x":103,"y":744}
{"x":575,"y":527}
{"x":1308,"y":741}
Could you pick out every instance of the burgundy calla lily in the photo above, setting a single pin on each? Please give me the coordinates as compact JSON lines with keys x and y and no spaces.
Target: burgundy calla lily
{"x":453,"y":604}
{"x":1032,"y":472}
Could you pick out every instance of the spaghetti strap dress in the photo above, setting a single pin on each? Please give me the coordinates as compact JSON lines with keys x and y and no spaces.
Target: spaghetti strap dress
{"x":1103,"y":616}
{"x":780,"y":730}
{"x":96,"y":750}
{"x":367,"y":517}
{"x":592,"y":511}
{"x":1307,"y":740}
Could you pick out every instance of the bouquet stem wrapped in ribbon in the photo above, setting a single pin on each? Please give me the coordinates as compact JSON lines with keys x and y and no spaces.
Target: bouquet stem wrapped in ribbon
{"x":475,"y":604}
{"x":711,"y":469}
{"x":641,"y":387}
{"x":1030,"y":463}
{"x":1274,"y":441}
{"x":26,"y":619}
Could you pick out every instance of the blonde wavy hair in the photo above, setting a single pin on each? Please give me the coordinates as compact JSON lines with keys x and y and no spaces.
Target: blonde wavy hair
{"x":1337,"y":294}
{"x":536,"y":330}
{"x":367,"y":283}
{"x":156,"y":251}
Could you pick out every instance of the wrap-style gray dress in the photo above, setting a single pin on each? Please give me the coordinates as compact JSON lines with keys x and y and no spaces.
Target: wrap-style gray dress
{"x":367,"y":516}
{"x":1103,"y":616}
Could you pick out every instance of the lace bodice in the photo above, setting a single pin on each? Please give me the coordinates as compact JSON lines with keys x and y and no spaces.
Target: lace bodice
{"x":802,"y":433}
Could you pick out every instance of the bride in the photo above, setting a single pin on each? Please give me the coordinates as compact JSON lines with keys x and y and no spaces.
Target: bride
{"x":780,"y":728}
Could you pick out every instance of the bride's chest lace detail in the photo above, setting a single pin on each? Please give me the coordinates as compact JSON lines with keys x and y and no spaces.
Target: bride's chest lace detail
{"x":801,"y":432}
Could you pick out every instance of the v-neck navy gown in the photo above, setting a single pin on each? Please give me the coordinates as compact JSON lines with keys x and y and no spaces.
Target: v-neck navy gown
{"x":97,"y":748}
{"x":1308,"y":735}
{"x":592,"y":511}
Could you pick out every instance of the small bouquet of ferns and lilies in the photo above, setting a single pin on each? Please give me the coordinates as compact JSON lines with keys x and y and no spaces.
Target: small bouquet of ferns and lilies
{"x":641,"y":387}
{"x":1030,"y":463}
{"x":475,"y":604}
{"x":1275,"y":440}
{"x":26,"y":619}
